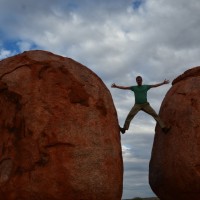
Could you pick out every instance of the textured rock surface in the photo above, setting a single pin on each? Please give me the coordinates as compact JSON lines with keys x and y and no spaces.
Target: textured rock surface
{"x":175,"y":162}
{"x":59,"y":135}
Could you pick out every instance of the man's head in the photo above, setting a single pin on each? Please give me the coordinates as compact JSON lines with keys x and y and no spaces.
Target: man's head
{"x":139,"y":80}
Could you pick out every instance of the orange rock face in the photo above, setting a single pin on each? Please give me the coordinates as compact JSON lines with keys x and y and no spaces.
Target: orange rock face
{"x":59,"y":135}
{"x":174,"y":172}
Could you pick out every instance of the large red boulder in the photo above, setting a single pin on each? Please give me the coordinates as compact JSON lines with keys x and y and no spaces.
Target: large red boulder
{"x":59,"y":135}
{"x":174,"y":172}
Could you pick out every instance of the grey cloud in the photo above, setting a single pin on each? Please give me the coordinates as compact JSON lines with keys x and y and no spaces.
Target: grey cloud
{"x":136,"y":165}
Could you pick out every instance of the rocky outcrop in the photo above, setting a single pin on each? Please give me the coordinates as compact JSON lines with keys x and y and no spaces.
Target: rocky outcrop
{"x":175,"y":162}
{"x":59,"y":135}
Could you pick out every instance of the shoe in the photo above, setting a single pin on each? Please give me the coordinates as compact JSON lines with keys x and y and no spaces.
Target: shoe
{"x":122,"y":130}
{"x":166,"y":129}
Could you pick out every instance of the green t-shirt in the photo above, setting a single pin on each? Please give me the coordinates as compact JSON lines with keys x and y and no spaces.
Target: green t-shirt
{"x":140,"y":93}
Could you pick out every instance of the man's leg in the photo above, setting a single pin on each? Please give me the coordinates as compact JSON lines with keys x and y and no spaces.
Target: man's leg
{"x":136,"y":108}
{"x":148,"y":109}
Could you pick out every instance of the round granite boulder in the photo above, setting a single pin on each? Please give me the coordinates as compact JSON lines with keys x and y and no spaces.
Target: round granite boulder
{"x":59,"y":134}
{"x":174,"y":171}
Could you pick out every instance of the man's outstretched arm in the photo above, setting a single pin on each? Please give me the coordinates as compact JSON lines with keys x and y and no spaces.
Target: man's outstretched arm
{"x":159,"y":84}
{"x":120,"y":87}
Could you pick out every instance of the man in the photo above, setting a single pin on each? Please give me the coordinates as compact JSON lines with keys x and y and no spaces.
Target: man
{"x":141,"y":103}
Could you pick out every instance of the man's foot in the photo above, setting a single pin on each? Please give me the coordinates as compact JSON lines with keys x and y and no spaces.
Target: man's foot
{"x":166,"y":129}
{"x":122,"y":130}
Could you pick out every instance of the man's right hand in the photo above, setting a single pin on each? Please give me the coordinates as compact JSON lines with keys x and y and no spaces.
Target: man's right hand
{"x":113,"y":85}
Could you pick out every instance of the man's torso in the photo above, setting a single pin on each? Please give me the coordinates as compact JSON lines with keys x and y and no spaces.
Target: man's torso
{"x":140,"y":93}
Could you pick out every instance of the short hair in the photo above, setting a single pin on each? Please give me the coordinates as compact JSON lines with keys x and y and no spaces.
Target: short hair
{"x":138,"y":77}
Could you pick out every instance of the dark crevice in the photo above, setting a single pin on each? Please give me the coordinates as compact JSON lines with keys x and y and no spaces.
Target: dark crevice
{"x":26,"y":65}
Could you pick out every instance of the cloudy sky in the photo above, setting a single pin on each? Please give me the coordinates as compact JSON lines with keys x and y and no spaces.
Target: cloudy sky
{"x":118,"y":40}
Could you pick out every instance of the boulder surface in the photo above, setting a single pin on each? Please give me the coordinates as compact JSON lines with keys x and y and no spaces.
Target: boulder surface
{"x":59,"y":134}
{"x":174,"y":172}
